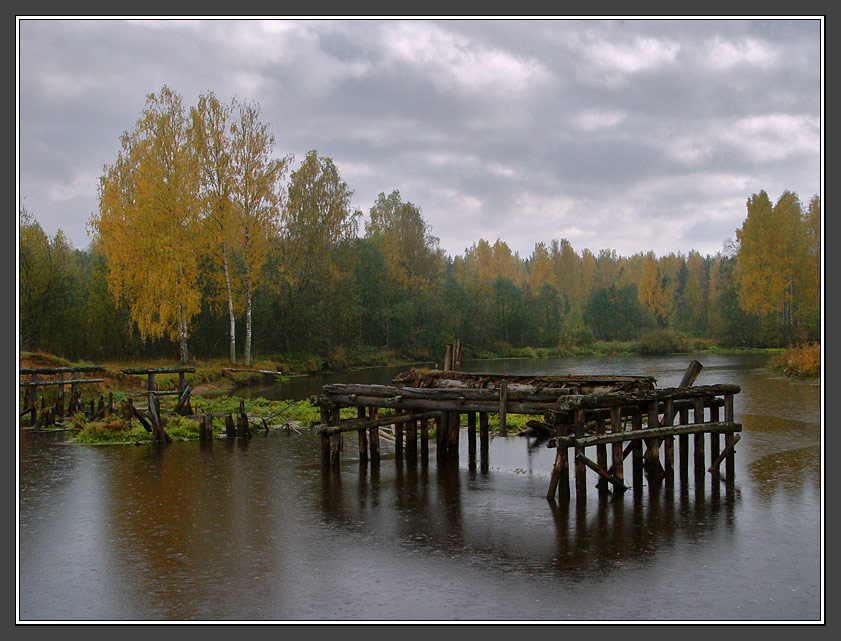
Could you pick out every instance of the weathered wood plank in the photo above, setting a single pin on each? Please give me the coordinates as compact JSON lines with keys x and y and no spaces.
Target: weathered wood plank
{"x":646,"y":433}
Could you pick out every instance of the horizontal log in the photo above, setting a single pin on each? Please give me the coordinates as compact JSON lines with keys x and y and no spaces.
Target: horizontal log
{"x":59,"y":370}
{"x":588,"y":383}
{"x":651,"y":432}
{"x":169,"y":392}
{"x":526,"y":393}
{"x":252,"y":371}
{"x":159,"y":370}
{"x":633,"y":410}
{"x":64,"y":382}
{"x":398,"y":402}
{"x":617,"y":399}
{"x":358,"y":424}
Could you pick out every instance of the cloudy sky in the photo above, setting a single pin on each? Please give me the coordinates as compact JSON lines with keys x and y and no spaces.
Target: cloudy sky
{"x":632,"y":135}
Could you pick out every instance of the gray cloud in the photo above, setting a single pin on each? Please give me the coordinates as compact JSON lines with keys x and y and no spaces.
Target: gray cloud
{"x":633,"y":135}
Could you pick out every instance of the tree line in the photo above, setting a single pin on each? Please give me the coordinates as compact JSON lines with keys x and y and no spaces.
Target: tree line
{"x":205,"y":243}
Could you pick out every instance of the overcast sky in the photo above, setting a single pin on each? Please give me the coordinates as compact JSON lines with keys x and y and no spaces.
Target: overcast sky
{"x":632,"y":135}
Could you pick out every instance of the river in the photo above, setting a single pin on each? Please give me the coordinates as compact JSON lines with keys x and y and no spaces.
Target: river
{"x":257,"y":531}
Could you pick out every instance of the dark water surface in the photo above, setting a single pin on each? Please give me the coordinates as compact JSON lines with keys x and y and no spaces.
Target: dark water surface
{"x":257,"y":531}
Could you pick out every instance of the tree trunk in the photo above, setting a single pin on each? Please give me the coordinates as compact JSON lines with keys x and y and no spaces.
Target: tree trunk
{"x":182,"y":337}
{"x":233,"y":355}
{"x":247,"y":352}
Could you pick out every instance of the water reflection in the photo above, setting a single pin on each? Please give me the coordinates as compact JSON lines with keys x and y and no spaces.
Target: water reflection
{"x":258,"y":530}
{"x":457,"y":514}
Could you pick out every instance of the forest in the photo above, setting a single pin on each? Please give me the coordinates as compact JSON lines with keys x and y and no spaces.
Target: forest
{"x":207,"y":244}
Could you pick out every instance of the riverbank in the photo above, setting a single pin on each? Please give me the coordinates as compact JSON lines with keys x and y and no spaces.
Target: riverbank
{"x":802,"y":361}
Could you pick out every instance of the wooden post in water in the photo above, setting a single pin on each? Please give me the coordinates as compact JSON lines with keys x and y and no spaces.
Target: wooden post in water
{"x":601,"y":455}
{"x":398,"y":441}
{"x":424,"y":434}
{"x":231,"y":430}
{"x":362,"y":436}
{"x":691,"y":374}
{"x":335,"y":440}
{"x":374,"y":436}
{"x":74,"y":400}
{"x":580,"y":466}
{"x":669,"y":441}
{"x":699,"y":440}
{"x":325,"y":440}
{"x":636,"y":448}
{"x":503,"y":405}
{"x":454,"y":430}
{"x":559,"y":482}
{"x":715,"y":440}
{"x":448,"y":357}
{"x":617,"y":455}
{"x":411,"y":440}
{"x":729,"y":443}
{"x":652,"y":453}
{"x":683,"y":446}
{"x":471,"y":433}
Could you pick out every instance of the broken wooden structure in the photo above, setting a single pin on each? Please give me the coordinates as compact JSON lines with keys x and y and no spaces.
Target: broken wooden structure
{"x":626,"y":412}
{"x":48,"y":415}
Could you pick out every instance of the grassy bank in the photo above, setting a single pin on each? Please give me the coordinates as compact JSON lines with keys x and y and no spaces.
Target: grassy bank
{"x":296,"y":416}
{"x":803,"y":361}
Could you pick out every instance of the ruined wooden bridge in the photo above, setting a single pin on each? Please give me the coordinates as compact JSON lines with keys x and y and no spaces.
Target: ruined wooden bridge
{"x":574,"y":413}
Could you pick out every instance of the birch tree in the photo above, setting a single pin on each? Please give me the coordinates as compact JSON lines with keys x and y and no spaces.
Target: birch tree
{"x":147,"y":221}
{"x":210,"y":135}
{"x":257,"y":199}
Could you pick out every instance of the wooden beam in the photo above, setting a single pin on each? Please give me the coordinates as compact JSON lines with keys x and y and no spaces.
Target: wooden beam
{"x":727,"y":451}
{"x":691,"y":374}
{"x":646,"y":433}
{"x":599,"y":401}
{"x":579,"y":456}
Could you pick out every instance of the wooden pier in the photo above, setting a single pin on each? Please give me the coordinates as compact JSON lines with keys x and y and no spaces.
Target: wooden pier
{"x":625,"y":414}
{"x":48,"y":415}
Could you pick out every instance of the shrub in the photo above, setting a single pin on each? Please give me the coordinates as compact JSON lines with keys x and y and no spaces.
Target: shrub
{"x":661,"y":342}
{"x":802,"y":361}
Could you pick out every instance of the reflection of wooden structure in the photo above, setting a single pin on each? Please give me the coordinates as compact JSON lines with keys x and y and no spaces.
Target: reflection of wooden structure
{"x":625,"y":412}
{"x":49,"y":414}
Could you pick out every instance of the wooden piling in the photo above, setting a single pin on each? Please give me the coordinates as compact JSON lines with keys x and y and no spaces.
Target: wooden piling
{"x":471,"y":433}
{"x":580,"y":466}
{"x":636,"y":449}
{"x":683,"y":447}
{"x":729,"y":439}
{"x":484,"y":436}
{"x":669,"y":441}
{"x":325,"y":440}
{"x":362,"y":437}
{"x":617,"y":455}
{"x":335,"y":440}
{"x":601,"y":455}
{"x":454,"y":430}
{"x":398,"y":441}
{"x":715,"y":437}
{"x":230,"y":428}
{"x":652,"y":452}
{"x":503,"y":407}
{"x":411,"y":440}
{"x":374,"y":436}
{"x":691,"y":374}
{"x":698,"y":450}
{"x":559,"y":481}
{"x":424,"y":435}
